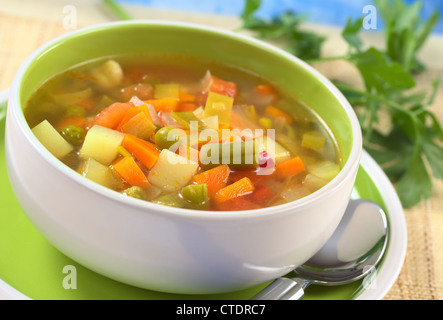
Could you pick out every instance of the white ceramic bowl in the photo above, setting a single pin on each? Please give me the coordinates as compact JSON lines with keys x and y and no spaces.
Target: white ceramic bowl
{"x":158,"y":247}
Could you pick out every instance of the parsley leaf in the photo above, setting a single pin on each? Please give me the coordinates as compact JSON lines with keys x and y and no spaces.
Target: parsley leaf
{"x":250,"y":7}
{"x":351,"y":33}
{"x":405,"y":35}
{"x":434,"y":155}
{"x":416,"y":184}
{"x":283,"y":29}
{"x":380,"y":72}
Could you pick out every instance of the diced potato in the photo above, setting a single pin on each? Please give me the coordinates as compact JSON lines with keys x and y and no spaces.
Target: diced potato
{"x":168,"y":90}
{"x":219,"y":105}
{"x":95,"y":171}
{"x":101,"y":144}
{"x":313,"y":140}
{"x":70,"y":98}
{"x":51,"y":139}
{"x":326,"y":170}
{"x":108,"y":75}
{"x":172,"y":171}
{"x":274,"y":149}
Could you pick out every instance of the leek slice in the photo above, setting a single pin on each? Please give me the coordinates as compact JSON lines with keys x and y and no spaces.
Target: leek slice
{"x":313,"y":140}
{"x":221,"y":106}
{"x":188,"y":119}
{"x":66,"y":99}
{"x":167,"y":90}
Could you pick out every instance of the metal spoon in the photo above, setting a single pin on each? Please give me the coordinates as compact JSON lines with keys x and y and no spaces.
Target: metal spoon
{"x":352,"y":252}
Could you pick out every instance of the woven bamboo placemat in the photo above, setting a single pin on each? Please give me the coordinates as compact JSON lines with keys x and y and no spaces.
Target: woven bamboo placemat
{"x":421,"y":277}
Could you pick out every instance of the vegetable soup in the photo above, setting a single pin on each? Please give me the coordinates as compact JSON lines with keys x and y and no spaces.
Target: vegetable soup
{"x":185,"y":133}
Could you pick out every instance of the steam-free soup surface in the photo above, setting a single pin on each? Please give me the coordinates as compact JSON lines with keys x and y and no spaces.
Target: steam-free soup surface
{"x":185,"y":133}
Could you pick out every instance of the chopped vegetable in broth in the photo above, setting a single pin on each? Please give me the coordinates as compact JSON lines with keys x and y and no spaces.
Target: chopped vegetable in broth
{"x":183,"y":133}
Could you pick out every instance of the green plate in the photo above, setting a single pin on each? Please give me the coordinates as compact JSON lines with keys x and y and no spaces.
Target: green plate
{"x":30,"y":267}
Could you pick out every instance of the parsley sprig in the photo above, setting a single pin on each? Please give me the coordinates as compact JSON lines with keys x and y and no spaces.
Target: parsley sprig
{"x":410,"y":147}
{"x":284,"y":29}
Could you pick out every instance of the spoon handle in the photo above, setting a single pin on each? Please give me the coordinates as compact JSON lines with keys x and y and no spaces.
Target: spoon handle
{"x":283,"y":289}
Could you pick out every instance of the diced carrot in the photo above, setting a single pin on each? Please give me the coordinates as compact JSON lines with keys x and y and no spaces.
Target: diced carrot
{"x":186,"y":97}
{"x":261,"y":195}
{"x":265,"y":89}
{"x":144,"y":108}
{"x":240,"y":188}
{"x":164,"y":104}
{"x":237,"y":204}
{"x":215,"y":178}
{"x":130,"y":113}
{"x":139,"y":125}
{"x":186,"y":106}
{"x":290,"y":167}
{"x":111,"y":116}
{"x":72,"y":121}
{"x":223,"y":87}
{"x":143,"y":150}
{"x":273,"y":111}
{"x":129,"y":170}
{"x":250,"y":174}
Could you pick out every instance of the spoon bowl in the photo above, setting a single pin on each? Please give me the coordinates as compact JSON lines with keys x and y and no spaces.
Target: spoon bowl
{"x":353,"y":252}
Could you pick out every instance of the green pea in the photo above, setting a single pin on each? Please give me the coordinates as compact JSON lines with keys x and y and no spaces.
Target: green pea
{"x":135,"y":192}
{"x":74,"y":135}
{"x":196,"y":194}
{"x":166,"y":137}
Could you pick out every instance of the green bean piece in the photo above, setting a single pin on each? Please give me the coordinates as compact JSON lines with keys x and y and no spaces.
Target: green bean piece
{"x":135,"y":192}
{"x":171,"y":200}
{"x":166,"y":137}
{"x":73,"y":134}
{"x":196,"y":194}
{"x":237,"y":155}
